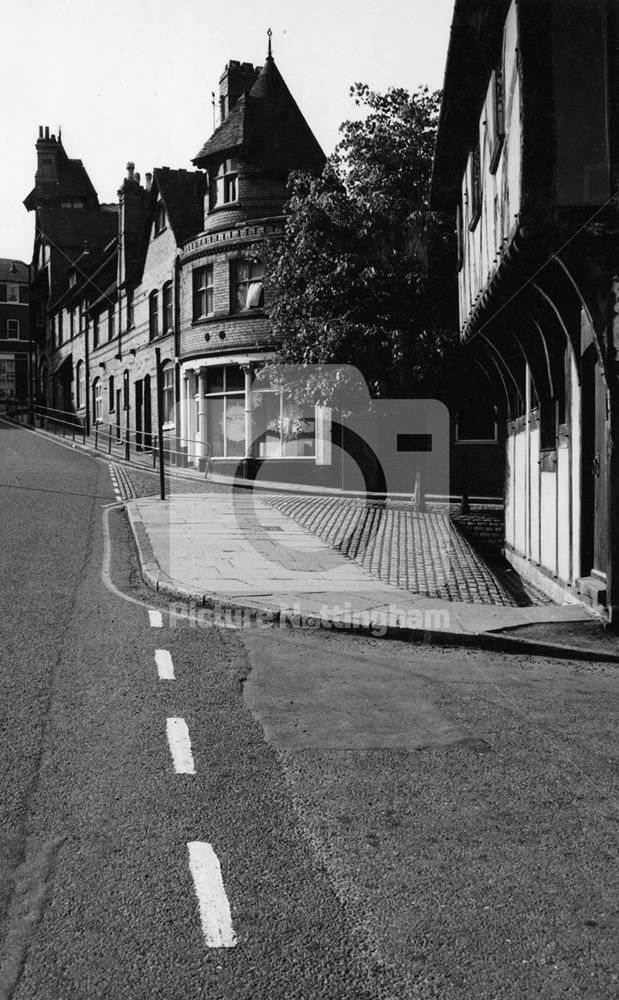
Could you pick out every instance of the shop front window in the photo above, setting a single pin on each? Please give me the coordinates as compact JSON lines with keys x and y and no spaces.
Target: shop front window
{"x":225,"y":411}
{"x":282,"y":428}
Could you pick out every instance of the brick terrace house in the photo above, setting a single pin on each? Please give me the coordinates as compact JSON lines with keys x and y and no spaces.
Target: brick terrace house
{"x":527,"y":160}
{"x":16,"y":358}
{"x":171,"y":267}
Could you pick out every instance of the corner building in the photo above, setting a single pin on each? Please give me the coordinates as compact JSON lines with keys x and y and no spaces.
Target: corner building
{"x":224,"y":329}
{"x":173,"y":267}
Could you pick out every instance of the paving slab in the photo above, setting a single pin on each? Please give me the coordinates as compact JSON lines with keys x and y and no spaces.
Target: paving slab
{"x":238,"y":562}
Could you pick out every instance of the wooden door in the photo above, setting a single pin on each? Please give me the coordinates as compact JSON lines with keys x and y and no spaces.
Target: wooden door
{"x":147,"y":417}
{"x":118,"y":395}
{"x":139,"y":408}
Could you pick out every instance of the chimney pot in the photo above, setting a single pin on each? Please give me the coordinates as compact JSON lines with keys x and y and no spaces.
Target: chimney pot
{"x":148,"y":181}
{"x":47,"y":131}
{"x":53,"y":137}
{"x":137,"y":178}
{"x":130,"y":169}
{"x":40,"y":131}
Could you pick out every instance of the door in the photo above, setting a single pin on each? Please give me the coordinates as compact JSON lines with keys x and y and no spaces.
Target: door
{"x":139,"y":406}
{"x":118,"y":396}
{"x":146,"y":414}
{"x":594,"y":467}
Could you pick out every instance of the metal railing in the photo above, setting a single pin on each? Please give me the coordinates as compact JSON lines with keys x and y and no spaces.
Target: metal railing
{"x":142,"y":446}
{"x":139,"y":446}
{"x":47,"y":418}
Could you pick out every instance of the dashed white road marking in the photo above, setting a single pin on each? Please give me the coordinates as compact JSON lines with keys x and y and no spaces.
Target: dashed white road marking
{"x":214,"y":906}
{"x":165,"y":667}
{"x":155,"y":618}
{"x":180,"y":746}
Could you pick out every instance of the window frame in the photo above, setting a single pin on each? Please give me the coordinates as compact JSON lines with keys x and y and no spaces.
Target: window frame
{"x":168,"y":395}
{"x":225,"y":394}
{"x":7,"y":376}
{"x":161,"y":220}
{"x":9,"y":335}
{"x":281,"y":419}
{"x":496,"y":118}
{"x":167,"y":308}
{"x":111,"y":396}
{"x":111,"y":323}
{"x":250,"y":283}
{"x":96,"y":331}
{"x":224,"y":184}
{"x":80,"y":373}
{"x":97,"y":401}
{"x":475,"y":189}
{"x":153,"y":314}
{"x":203,"y":286}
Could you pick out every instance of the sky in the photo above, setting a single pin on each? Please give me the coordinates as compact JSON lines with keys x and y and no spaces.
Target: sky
{"x":132,"y":80}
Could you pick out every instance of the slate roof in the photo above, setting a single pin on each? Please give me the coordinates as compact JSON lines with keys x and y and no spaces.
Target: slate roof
{"x":182,"y":192}
{"x":21,"y":270}
{"x":73,"y":182}
{"x":68,"y":231}
{"x":266,"y":127}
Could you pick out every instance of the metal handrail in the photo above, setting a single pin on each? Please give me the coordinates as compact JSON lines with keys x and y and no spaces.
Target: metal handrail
{"x":112,"y":433}
{"x":47,"y":416}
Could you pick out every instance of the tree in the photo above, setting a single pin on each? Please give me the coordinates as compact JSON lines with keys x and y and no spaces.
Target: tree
{"x":364,"y":274}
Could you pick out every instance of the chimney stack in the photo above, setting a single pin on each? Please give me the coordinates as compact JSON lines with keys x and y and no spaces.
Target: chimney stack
{"x":235,"y":80}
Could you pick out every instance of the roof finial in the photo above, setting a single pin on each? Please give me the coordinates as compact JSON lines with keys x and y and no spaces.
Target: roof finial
{"x":269,"y":54}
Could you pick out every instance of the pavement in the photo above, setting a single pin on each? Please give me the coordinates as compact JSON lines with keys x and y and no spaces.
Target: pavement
{"x":338,"y":562}
{"x":238,"y":555}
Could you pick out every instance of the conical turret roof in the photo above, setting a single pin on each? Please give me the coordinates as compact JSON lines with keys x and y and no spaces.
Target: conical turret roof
{"x":266,"y":127}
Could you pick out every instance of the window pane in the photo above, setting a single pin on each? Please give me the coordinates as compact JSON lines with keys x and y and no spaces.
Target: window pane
{"x":266,"y":424}
{"x":235,"y":379}
{"x":215,"y":425}
{"x":235,"y":426}
{"x":254,"y":295}
{"x":215,"y":379}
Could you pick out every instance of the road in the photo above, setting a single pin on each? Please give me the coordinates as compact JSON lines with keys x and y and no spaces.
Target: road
{"x":192,"y":812}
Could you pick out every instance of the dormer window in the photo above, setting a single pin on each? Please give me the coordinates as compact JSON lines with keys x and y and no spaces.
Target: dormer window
{"x":495,"y":119}
{"x":475,"y":186}
{"x":160,"y":218}
{"x":224,"y":183}
{"x":72,"y":203}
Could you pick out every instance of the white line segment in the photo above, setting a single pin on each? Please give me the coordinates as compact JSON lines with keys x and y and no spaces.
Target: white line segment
{"x":156,"y":621}
{"x":214,"y":906}
{"x":180,"y":746}
{"x":165,"y":667}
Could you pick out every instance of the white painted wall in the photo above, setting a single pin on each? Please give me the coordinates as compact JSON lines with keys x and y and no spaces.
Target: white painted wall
{"x":564,"y":505}
{"x":535,"y":490}
{"x":575,"y":442}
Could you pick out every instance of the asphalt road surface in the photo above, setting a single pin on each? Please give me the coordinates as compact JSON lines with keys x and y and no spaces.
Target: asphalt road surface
{"x":194,"y":812}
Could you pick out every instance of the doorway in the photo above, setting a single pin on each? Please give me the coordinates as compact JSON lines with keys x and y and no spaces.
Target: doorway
{"x":594,"y":467}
